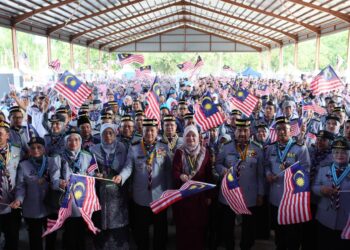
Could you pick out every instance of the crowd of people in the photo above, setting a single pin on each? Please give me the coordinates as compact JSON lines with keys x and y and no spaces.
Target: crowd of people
{"x":43,"y":142}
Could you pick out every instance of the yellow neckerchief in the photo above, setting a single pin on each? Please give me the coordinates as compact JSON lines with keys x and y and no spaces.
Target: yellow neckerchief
{"x":242,"y":154}
{"x":172,"y":144}
{"x":193,"y":163}
{"x":150,"y":155}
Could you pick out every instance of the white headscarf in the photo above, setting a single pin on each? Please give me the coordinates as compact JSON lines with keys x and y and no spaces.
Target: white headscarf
{"x":191,"y":150}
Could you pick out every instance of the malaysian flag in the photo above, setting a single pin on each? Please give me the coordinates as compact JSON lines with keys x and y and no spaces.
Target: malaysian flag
{"x":152,"y":111}
{"x":307,"y":105}
{"x":207,"y":114}
{"x":295,"y":203}
{"x":199,"y":64}
{"x":185,"y":66}
{"x":294,"y":127}
{"x":55,"y":65}
{"x":93,"y":166}
{"x":143,"y":71}
{"x":84,"y":194}
{"x":311,"y":136}
{"x":263,"y":90}
{"x":233,"y":193}
{"x":64,"y":212}
{"x":244,"y":101}
{"x":318,"y":109}
{"x":326,"y":81}
{"x":227,"y":68}
{"x":125,"y":59}
{"x":71,"y":88}
{"x":273,"y":134}
{"x":169,"y":197}
{"x":345,"y":235}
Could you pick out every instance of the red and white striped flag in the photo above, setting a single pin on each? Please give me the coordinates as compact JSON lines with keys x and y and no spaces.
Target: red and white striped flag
{"x":152,"y":110}
{"x":326,"y":81}
{"x":345,"y":235}
{"x":273,"y":134}
{"x":233,"y":193}
{"x":199,"y":64}
{"x":185,"y":66}
{"x":318,"y":109}
{"x":125,"y":59}
{"x":227,"y":69}
{"x":72,"y":89}
{"x":207,"y":115}
{"x":144,"y":71}
{"x":294,"y":127}
{"x":244,"y":101}
{"x":93,"y":166}
{"x":169,"y":197}
{"x":64,"y":212}
{"x":295,"y":203}
{"x":55,"y":65}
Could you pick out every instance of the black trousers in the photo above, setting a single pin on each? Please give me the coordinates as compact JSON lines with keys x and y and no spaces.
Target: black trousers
{"x":35,"y":231}
{"x":74,"y":234}
{"x":10,"y":226}
{"x":143,"y":218}
{"x":226,"y":228}
{"x":330,"y":239}
{"x":286,"y":236}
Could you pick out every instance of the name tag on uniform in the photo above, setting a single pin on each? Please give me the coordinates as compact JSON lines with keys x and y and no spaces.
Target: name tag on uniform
{"x":141,"y":157}
{"x":252,"y":153}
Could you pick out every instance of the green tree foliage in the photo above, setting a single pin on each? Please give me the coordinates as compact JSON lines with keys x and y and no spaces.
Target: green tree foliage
{"x":333,"y":46}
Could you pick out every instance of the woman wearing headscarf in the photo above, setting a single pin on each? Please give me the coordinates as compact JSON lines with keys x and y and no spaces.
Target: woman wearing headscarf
{"x":32,"y":186}
{"x":111,"y":156}
{"x":54,"y":141}
{"x":191,"y":162}
{"x":332,"y":184}
{"x":72,"y":160}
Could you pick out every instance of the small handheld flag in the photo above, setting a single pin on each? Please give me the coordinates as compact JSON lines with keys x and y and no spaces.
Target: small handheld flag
{"x":169,"y":197}
{"x":295,"y":203}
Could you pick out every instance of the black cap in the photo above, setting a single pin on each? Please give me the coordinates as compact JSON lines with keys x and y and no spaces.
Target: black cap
{"x":236,"y":112}
{"x":96,"y":101}
{"x":126,"y":118}
{"x":83,"y":119}
{"x":37,"y":140}
{"x":242,"y":123}
{"x":325,"y":134}
{"x":57,"y":118}
{"x":62,"y":110}
{"x":341,"y":142}
{"x":182,"y":102}
{"x":188,"y":116}
{"x":139,"y":113}
{"x":338,"y":109}
{"x":282,"y":120}
{"x":169,"y":118}
{"x":332,"y":117}
{"x":84,"y":107}
{"x":72,"y":130}
{"x":150,"y":123}
{"x":15,"y":109}
{"x":261,"y":125}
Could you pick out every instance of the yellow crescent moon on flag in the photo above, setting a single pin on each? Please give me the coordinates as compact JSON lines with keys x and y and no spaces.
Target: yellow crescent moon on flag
{"x":78,"y":193}
{"x":197,"y":186}
{"x":67,"y":82}
{"x":230,"y":177}
{"x":300,"y":180}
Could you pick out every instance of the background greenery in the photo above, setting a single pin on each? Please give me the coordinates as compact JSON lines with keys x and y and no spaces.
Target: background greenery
{"x":332,"y":47}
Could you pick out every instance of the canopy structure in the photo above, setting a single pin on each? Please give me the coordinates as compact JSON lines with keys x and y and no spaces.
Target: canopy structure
{"x":178,"y":25}
{"x":250,"y":72}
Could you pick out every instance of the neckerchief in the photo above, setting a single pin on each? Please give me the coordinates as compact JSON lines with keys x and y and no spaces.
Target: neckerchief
{"x":43,"y":166}
{"x":282,"y":155}
{"x":338,"y":180}
{"x":243,"y":154}
{"x":74,"y":164}
{"x":172,"y":144}
{"x":107,"y":161}
{"x":149,"y":151}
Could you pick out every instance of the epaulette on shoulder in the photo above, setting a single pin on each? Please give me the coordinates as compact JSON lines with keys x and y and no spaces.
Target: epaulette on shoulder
{"x":136,"y":142}
{"x":300,"y":143}
{"x":257,"y":144}
{"x":86,"y":152}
